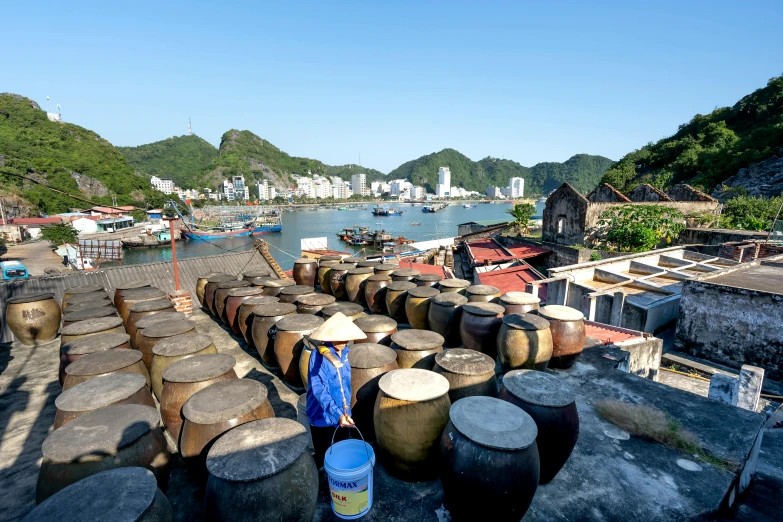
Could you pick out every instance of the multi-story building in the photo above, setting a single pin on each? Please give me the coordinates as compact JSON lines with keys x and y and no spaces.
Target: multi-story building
{"x":398,"y":186}
{"x":359,"y":184}
{"x":227,"y":189}
{"x":265,"y":191}
{"x":418,"y":193}
{"x":164,"y":185}
{"x":516,"y":188}
{"x":443,"y":189}
{"x":241,"y":191}
{"x":493,"y":192}
{"x":321,"y":188}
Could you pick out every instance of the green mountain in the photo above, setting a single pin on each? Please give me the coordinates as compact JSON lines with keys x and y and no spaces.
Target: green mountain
{"x":710,"y":148}
{"x":185,"y":159}
{"x":64,"y":156}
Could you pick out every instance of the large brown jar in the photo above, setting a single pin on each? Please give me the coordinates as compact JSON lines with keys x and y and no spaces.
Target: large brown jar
{"x":262,"y":467}
{"x":121,"y":288}
{"x":519,"y":302}
{"x":337,"y":275}
{"x":101,"y":392}
{"x":82,"y":289}
{"x":377,"y":328}
{"x":290,"y":294}
{"x":91,"y":327}
{"x":245,"y":315}
{"x":138,"y":311}
{"x":417,"y":305}
{"x":254,"y":274}
{"x":482,"y":294}
{"x":453,"y":285}
{"x":120,"y":436}
{"x":416,"y":348}
{"x":109,"y":362}
{"x":568,"y":334}
{"x":184,"y":378}
{"x":151,"y":320}
{"x":132,"y":297}
{"x":444,"y":316}
{"x":355,"y":282}
{"x":33,"y":319}
{"x":324,"y":276}
{"x":221,"y":294}
{"x":236,"y":297}
{"x":552,"y":405}
{"x":479,"y":327}
{"x":152,"y":335}
{"x":211,"y":286}
{"x":75,"y":350}
{"x":264,"y":318}
{"x":428,"y":280}
{"x":396,"y":295}
{"x":201,"y":284}
{"x":304,"y":271}
{"x":369,"y":362}
{"x":410,"y":413}
{"x":273,"y":287}
{"x":469,"y":373}
{"x":289,"y":342}
{"x":173,"y":349}
{"x":405,"y":274}
{"x":386,"y":268}
{"x":524,"y":341}
{"x":352,"y":260}
{"x":313,"y":303}
{"x":350,"y":310}
{"x":375,"y":292}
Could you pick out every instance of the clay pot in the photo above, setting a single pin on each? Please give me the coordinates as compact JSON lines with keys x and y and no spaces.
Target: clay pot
{"x":469,"y":373}
{"x":488,"y":451}
{"x":273,"y":287}
{"x":519,"y":302}
{"x":417,"y":306}
{"x":121,"y":436}
{"x":262,"y":467}
{"x":323,"y":275}
{"x":101,"y":300}
{"x":245,"y":317}
{"x":101,"y":392}
{"x":444,"y":316}
{"x":173,"y":349}
{"x":83,"y":289}
{"x":375,"y":292}
{"x":524,"y":341}
{"x":290,"y":294}
{"x":355,"y":282}
{"x":260,"y":282}
{"x":551,"y":404}
{"x":304,"y":420}
{"x":416,"y":348}
{"x":479,"y":326}
{"x":313,"y":303}
{"x":185,"y":377}
{"x":201,"y":284}
{"x":350,"y":310}
{"x":103,"y":495}
{"x":234,"y":300}
{"x":221,"y":294}
{"x":453,"y":285}
{"x":75,"y":350}
{"x":264,"y":317}
{"x":405,"y":274}
{"x":91,"y":327}
{"x":396,"y":295}
{"x":288,"y":343}
{"x":152,"y":320}
{"x":121,"y":288}
{"x":386,"y":268}
{"x":304,"y":271}
{"x":254,"y":274}
{"x":372,"y":263}
{"x":482,"y":294}
{"x":410,"y":413}
{"x":155,"y":333}
{"x":428,"y":280}
{"x":337,"y":275}
{"x":377,"y":328}
{"x":138,"y":311}
{"x":209,"y":290}
{"x":353,"y":260}
{"x":369,"y":362}
{"x":108,"y":362}
{"x":132,"y":297}
{"x":34,"y":318}
{"x":568,"y":334}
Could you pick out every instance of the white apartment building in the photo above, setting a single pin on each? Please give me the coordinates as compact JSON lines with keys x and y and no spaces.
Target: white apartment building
{"x":227,"y":189}
{"x":516,"y":188}
{"x":398,"y":186}
{"x":265,"y":191}
{"x":241,"y":191}
{"x":164,"y":185}
{"x":493,"y":192}
{"x":359,"y":184}
{"x":418,"y":193}
{"x":443,"y":188}
{"x":321,"y":188}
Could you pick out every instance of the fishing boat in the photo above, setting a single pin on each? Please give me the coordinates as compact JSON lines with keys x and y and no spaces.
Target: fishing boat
{"x":208,"y":235}
{"x":267,"y":223}
{"x":415,"y":224}
{"x":431,"y":209}
{"x":468,"y":206}
{"x":384,"y":211}
{"x":149,"y":240}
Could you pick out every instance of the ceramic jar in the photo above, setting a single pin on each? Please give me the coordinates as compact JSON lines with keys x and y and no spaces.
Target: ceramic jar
{"x":416,"y":348}
{"x":173,"y":349}
{"x":568,"y":334}
{"x":91,"y":327}
{"x":75,"y":350}
{"x":201,"y":284}
{"x":290,"y":294}
{"x":405,"y":274}
{"x":396,"y":295}
{"x":211,"y":286}
{"x":34,"y":318}
{"x":337,"y":276}
{"x":519,"y":302}
{"x":273,"y":287}
{"x":469,"y":373}
{"x":312,"y":304}
{"x":482,"y":294}
{"x":479,"y":326}
{"x":107,"y":362}
{"x":221,"y":295}
{"x":245,"y":315}
{"x":138,"y":311}
{"x":524,"y":341}
{"x":369,"y":362}
{"x":377,"y":328}
{"x":428,"y":280}
{"x":304,"y":271}
{"x":375,"y":292}
{"x":444,"y":317}
{"x":324,"y":277}
{"x":350,"y":310}
{"x":386,"y":268}
{"x":121,"y":288}
{"x":264,"y":318}
{"x":155,"y":333}
{"x":236,"y":297}
{"x":355,"y":281}
{"x":417,"y":306}
{"x":453,"y":285}
{"x":288,"y":344}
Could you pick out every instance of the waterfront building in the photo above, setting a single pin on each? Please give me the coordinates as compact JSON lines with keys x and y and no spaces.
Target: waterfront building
{"x":227,"y":189}
{"x":264,"y":193}
{"x":241,"y":191}
{"x":418,"y":193}
{"x":164,"y":185}
{"x":493,"y":192}
{"x":444,"y":179}
{"x":398,"y":186}
{"x":359,"y":184}
{"x":516,"y":188}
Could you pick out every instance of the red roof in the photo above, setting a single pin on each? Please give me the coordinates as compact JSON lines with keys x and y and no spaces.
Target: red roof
{"x":513,"y":279}
{"x":36,"y":221}
{"x":606,"y":334}
{"x":107,"y":210}
{"x":489,"y":251}
{"x":91,"y":218}
{"x":425,"y":269}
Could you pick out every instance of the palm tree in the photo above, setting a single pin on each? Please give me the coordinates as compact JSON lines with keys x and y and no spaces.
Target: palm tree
{"x":522,"y":212}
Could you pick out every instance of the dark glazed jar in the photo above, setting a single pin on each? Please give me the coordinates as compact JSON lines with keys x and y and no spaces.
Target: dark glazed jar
{"x":304,"y":271}
{"x":355,"y":281}
{"x":173,"y":349}
{"x":488,"y":451}
{"x":416,"y":348}
{"x":524,"y":341}
{"x":552,"y":404}
{"x":323,"y":275}
{"x":121,"y":288}
{"x":234,"y":300}
{"x":33,"y":319}
{"x":273,"y":287}
{"x":75,"y":350}
{"x":482,"y":294}
{"x":138,"y":311}
{"x":350,"y":310}
{"x":211,"y":286}
{"x":405,"y":274}
{"x":262,"y":467}
{"x":245,"y":315}
{"x":377,"y":328}
{"x":289,"y":342}
{"x":290,"y":294}
{"x":519,"y":302}
{"x":568,"y":334}
{"x":91,"y":327}
{"x":444,"y":316}
{"x":201,"y":284}
{"x":375,"y":293}
{"x":108,"y":362}
{"x":337,"y":275}
{"x":264,"y":317}
{"x":417,"y":306}
{"x":396,"y":295}
{"x":453,"y":285}
{"x":221,"y":294}
{"x":312,"y":304}
{"x":428,"y":280}
{"x":479,"y":327}
{"x":369,"y":362}
{"x":469,"y":373}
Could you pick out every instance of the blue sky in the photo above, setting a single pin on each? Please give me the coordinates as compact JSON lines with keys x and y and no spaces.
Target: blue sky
{"x":528,"y":81}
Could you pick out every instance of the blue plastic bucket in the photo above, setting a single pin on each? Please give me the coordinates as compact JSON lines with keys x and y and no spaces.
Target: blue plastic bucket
{"x":349,"y":465}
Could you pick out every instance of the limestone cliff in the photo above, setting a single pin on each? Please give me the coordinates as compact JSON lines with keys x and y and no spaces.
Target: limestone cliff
{"x":760,"y":179}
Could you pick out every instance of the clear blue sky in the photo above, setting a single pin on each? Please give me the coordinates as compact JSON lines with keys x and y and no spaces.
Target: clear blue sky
{"x":528,"y":81}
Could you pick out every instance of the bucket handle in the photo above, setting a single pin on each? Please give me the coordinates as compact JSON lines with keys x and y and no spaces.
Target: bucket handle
{"x":349,"y":436}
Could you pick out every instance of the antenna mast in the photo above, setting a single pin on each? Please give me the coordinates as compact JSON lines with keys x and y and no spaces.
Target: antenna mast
{"x":190,"y":130}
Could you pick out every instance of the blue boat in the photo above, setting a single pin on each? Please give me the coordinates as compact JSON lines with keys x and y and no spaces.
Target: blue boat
{"x":267,"y":229}
{"x":267,"y":224}
{"x":207,"y":235}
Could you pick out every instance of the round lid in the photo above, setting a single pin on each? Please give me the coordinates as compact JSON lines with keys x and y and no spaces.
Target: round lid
{"x":305,"y":261}
{"x":257,"y":449}
{"x":539,"y":388}
{"x":406,"y":272}
{"x":182,"y":344}
{"x":29,"y":298}
{"x":155,"y":305}
{"x":210,"y":274}
{"x":423,"y":291}
{"x":91,"y":303}
{"x":143,"y":294}
{"x":375,"y":323}
{"x":483,"y":290}
{"x":526,"y":322}
{"x":417,"y":339}
{"x":221,"y":278}
{"x":166,"y":329}
{"x":328,"y":264}
{"x":90,"y":326}
{"x":429,"y":277}
{"x":483,"y":309}
{"x":368,"y":263}
{"x":199,"y":368}
{"x":88,"y":313}
{"x":329,"y":258}
{"x":561,"y":313}
{"x":361,"y":270}
{"x":260,"y":300}
{"x":224,"y":400}
{"x":386,"y":267}
{"x":519,"y":298}
{"x":297,"y":290}
{"x":94,"y":343}
{"x":299,"y":323}
{"x":316,"y":299}
{"x":454,"y":283}
{"x":343,"y":266}
{"x":370,"y":355}
{"x":149,"y":320}
{"x":463,"y":361}
{"x":252,"y":274}
{"x":450,"y":299}
{"x":279,"y":283}
{"x":493,"y":423}
{"x":348,"y":309}
{"x":233,"y":284}
{"x":100,"y":392}
{"x":84,"y":289}
{"x":352,"y":260}
{"x":128,"y":285}
{"x":91,"y":296}
{"x":245,"y":291}
{"x":103,"y":362}
{"x":261,"y":281}
{"x":103,"y":432}
{"x":274,"y":309}
{"x":411,"y":384}
{"x":379,"y":277}
{"x":400,"y":286}
{"x":119,"y":495}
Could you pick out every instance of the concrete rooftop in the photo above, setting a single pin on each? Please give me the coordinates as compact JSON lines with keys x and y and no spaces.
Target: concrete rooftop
{"x":764,"y":278}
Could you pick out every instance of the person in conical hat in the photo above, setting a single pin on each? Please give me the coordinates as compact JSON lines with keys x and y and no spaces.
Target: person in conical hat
{"x":329,"y":382}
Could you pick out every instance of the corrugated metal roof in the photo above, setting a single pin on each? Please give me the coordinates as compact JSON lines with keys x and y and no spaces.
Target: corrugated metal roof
{"x":607,"y":334}
{"x":489,"y":251}
{"x":160,"y":275}
{"x":513,"y":279}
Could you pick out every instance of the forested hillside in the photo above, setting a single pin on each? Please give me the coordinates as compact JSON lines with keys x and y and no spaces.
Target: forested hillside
{"x":185,"y":159}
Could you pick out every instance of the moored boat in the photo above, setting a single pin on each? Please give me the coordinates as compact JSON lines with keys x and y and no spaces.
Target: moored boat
{"x":215,"y":234}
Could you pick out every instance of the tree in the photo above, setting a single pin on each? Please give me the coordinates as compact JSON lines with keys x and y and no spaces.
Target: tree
{"x":138,"y":215}
{"x":636,"y":228}
{"x":59,"y":234}
{"x":522,"y":212}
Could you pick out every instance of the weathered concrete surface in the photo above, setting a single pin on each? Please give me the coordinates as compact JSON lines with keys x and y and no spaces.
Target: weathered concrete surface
{"x":37,"y":256}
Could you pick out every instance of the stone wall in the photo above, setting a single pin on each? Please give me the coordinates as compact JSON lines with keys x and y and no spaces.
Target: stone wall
{"x":569,"y":206}
{"x":715,"y":236}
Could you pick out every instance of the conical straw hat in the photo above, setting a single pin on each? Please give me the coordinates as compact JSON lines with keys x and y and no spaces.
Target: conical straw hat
{"x":337,"y":328}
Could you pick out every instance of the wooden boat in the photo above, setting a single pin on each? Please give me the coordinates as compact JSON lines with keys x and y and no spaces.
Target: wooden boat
{"x":149,"y":240}
{"x":205,"y":235}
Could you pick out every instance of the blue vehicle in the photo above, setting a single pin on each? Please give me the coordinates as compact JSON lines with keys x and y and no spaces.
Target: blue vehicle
{"x":14,"y":270}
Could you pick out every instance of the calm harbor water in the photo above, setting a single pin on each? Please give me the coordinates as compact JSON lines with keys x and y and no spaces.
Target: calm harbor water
{"x":326,"y":223}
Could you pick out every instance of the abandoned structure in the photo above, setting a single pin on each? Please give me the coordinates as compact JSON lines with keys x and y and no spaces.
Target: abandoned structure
{"x":572,"y":219}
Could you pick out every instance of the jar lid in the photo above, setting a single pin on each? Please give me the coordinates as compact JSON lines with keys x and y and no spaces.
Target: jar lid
{"x":221,"y":278}
{"x":129,"y":285}
{"x":352,"y":260}
{"x":370,"y":355}
{"x":94,"y":343}
{"x":369,"y":263}
{"x":84,"y":289}
{"x":91,"y":326}
{"x":206,"y":276}
{"x":89,"y":313}
{"x":484,"y":309}
{"x":450,"y":299}
{"x":361,"y":270}
{"x":252,"y":274}
{"x":274,"y":309}
{"x":417,"y":339}
{"x":106,"y":361}
{"x":483,"y":290}
{"x":305,"y":261}
{"x":90,"y":303}
{"x":386,"y":267}
{"x":519,"y":298}
{"x":245,"y":291}
{"x":297,"y":290}
{"x":379,"y":277}
{"x":329,"y":258}
{"x":183,"y":344}
{"x":561,"y":313}
{"x":414,"y":385}
{"x":539,"y":388}
{"x":454,"y":283}
{"x":423,"y":292}
{"x":279,"y":283}
{"x":375,"y":323}
{"x":526,"y":322}
{"x":400,"y":286}
{"x":100,"y":392}
{"x":166,"y":317}
{"x":261,"y":281}
{"x":406,"y":272}
{"x":463,"y":361}
{"x":493,"y":423}
{"x":29,"y":298}
{"x":347,"y":309}
{"x":343,"y":266}
{"x":156,"y":305}
{"x":224,"y":400}
{"x":199,"y":368}
{"x":299,"y":323}
{"x":429,"y":278}
{"x":88,"y":297}
{"x":232,"y":284}
{"x":316,"y":299}
{"x":328,"y":264}
{"x":260,"y":300}
{"x":168,"y":329}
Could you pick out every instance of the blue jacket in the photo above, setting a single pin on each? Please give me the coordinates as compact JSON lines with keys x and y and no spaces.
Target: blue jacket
{"x":324,"y":401}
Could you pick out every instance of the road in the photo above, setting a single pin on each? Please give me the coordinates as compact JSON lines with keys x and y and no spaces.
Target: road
{"x":35,"y":255}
